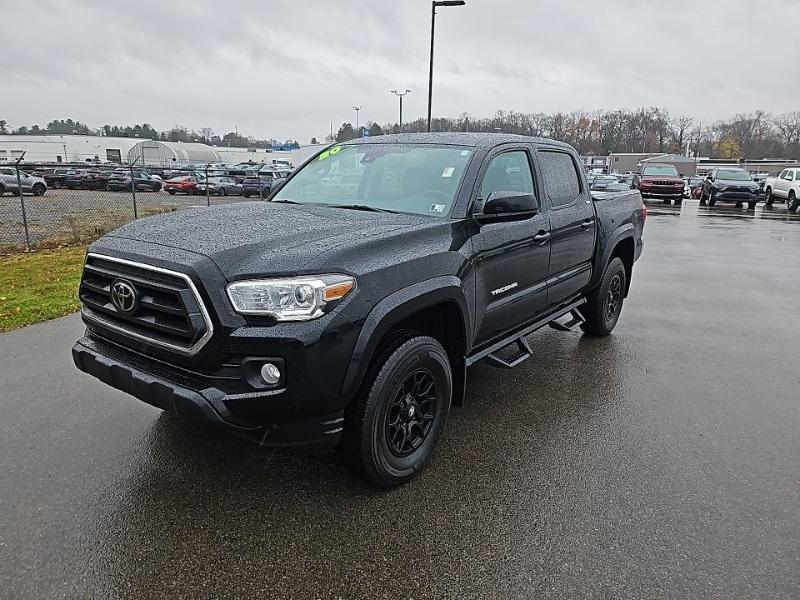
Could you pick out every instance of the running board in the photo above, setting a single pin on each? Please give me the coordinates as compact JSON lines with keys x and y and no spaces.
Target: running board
{"x":575,"y":320}
{"x":490,"y":354}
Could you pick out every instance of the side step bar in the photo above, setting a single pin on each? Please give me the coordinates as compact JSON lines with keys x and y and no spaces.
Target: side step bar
{"x":490,"y":355}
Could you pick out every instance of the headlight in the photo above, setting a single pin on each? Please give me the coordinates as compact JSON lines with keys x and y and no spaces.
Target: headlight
{"x":291,"y":299}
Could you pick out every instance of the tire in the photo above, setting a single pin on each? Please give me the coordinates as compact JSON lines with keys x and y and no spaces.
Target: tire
{"x":768,"y":197}
{"x":792,"y":202}
{"x":678,"y":201}
{"x":221,"y":191}
{"x":703,"y":199}
{"x":739,"y":205}
{"x":711,"y":200}
{"x":410,"y":379}
{"x":2,"y":190}
{"x":751,"y":205}
{"x":38,"y":189}
{"x":171,"y":192}
{"x":246,"y":195}
{"x":604,"y":306}
{"x":667,"y":202}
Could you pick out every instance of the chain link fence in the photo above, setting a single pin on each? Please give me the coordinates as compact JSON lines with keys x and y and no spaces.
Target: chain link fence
{"x":63,"y":204}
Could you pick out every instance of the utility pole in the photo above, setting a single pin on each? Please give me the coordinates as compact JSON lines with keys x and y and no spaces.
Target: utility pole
{"x":400,"y":95}
{"x":357,"y":108}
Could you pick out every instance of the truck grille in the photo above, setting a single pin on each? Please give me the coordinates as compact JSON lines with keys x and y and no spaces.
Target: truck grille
{"x":147,"y":303}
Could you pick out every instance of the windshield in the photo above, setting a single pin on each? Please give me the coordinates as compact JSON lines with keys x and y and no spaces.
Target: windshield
{"x":664,"y":170}
{"x":733,"y":175}
{"x":412,"y":178}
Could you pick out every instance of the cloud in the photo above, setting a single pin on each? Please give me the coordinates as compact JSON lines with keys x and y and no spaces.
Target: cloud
{"x":289,"y":69}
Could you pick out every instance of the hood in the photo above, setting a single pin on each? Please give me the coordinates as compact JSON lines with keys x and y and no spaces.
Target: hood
{"x":249,"y":239}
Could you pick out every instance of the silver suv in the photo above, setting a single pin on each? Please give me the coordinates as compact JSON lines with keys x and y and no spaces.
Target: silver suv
{"x":30,"y":184}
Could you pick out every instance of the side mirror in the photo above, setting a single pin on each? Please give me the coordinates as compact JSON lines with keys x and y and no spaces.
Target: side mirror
{"x":508,"y":206}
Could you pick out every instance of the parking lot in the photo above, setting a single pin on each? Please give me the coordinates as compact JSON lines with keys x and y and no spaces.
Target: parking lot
{"x":659,"y":462}
{"x":63,"y":213}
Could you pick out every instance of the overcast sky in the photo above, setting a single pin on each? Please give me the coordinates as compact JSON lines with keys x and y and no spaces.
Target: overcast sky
{"x":287,"y":69}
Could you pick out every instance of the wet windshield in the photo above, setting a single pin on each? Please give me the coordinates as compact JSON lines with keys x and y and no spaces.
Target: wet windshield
{"x":412,"y":178}
{"x":733,"y":175}
{"x":666,"y":171}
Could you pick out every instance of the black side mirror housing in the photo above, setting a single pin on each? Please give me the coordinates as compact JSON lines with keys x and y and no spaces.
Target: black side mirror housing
{"x":508,"y":206}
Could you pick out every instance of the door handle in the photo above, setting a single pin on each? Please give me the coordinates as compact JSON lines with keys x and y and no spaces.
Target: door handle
{"x":587,"y":223}
{"x":542,"y":237}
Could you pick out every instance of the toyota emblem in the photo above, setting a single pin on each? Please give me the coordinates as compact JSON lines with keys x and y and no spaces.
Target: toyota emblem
{"x":123,"y":296}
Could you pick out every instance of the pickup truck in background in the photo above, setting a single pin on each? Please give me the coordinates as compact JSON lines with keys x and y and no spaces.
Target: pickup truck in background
{"x":346,"y":309}
{"x":785,"y":186}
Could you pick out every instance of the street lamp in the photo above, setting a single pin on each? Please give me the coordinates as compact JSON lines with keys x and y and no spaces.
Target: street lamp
{"x":400,"y":95}
{"x":357,"y":108}
{"x":434,"y":4}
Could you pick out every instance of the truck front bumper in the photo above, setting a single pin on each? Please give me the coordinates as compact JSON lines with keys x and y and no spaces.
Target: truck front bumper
{"x":193,"y":400}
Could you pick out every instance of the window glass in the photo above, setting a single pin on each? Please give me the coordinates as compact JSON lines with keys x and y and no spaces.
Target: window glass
{"x":508,"y":172}
{"x":665,"y":170}
{"x":790,"y":175}
{"x":411,"y":178}
{"x":560,"y":177}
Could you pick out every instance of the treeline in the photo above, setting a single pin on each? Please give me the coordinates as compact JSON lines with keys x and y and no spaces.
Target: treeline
{"x":178,"y":133}
{"x":746,"y":135}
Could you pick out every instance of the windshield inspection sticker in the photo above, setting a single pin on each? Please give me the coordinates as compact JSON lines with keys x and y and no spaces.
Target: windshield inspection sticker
{"x":437,"y":208}
{"x":448,"y":172}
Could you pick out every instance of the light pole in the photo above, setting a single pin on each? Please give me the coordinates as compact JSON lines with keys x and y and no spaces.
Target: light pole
{"x":357,"y":108}
{"x":400,"y":95}
{"x":434,"y":4}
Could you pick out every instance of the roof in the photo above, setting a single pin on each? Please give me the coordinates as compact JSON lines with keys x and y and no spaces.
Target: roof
{"x":481,"y":140}
{"x":670,"y":158}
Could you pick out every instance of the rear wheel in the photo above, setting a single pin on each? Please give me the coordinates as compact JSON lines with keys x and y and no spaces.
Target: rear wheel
{"x":711,"y":200}
{"x":221,"y":191}
{"x":768,"y":197}
{"x":394,"y":425}
{"x":792,"y":202}
{"x":605,"y":304}
{"x":38,"y":189}
{"x":171,"y":192}
{"x":752,"y":205}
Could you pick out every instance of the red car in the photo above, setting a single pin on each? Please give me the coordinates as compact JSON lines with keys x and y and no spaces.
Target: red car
{"x":185,"y":184}
{"x":660,"y":181}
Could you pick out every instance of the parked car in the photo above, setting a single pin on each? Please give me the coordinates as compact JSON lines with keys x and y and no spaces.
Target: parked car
{"x":251,"y":185}
{"x":730,"y":185}
{"x":658,"y":180}
{"x":785,"y":186}
{"x":691,"y":184}
{"x":30,"y":184}
{"x":323,"y":320}
{"x":120,"y":180}
{"x":601,"y":182}
{"x":183,"y":184}
{"x":55,"y":177}
{"x":221,"y":186}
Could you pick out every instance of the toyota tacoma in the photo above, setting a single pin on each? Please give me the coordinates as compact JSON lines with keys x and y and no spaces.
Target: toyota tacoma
{"x":346,"y":309}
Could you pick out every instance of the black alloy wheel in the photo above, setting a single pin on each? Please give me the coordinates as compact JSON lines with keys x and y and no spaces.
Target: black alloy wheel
{"x":392,"y":427}
{"x":411,"y":413}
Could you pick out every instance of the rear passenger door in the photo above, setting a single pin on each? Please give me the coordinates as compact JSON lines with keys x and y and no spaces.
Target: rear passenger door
{"x":572,"y":223}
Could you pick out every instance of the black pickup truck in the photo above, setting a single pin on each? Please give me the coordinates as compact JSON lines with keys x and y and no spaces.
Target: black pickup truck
{"x":346,"y":309}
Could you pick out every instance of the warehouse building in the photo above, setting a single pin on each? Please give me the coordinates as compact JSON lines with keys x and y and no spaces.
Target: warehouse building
{"x":100,"y":149}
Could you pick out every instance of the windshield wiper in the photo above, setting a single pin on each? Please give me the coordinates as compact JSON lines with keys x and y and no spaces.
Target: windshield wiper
{"x":364,"y":207}
{"x":286,"y":201}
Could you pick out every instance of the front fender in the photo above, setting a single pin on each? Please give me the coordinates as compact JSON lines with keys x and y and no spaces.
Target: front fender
{"x":393,"y":309}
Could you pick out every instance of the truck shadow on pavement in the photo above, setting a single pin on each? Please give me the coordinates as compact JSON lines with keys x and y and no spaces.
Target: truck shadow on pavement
{"x":199,"y":496}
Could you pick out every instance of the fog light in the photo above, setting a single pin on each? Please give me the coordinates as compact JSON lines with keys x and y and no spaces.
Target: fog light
{"x":270,"y":373}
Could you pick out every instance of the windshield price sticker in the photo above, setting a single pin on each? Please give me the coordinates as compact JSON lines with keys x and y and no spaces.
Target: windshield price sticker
{"x":437,"y":208}
{"x":330,"y":152}
{"x":448,"y":172}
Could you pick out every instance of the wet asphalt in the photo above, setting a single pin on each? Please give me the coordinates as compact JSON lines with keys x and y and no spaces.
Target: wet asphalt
{"x":661,"y":462}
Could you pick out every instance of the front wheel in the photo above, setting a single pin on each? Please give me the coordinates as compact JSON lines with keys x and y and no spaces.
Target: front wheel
{"x":751,"y":205}
{"x":605,"y":304}
{"x":768,"y":197}
{"x":396,"y":422}
{"x":38,"y":189}
{"x":792,"y":202}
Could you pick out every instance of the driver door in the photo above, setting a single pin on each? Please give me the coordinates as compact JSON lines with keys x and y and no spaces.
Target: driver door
{"x":510,"y":265}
